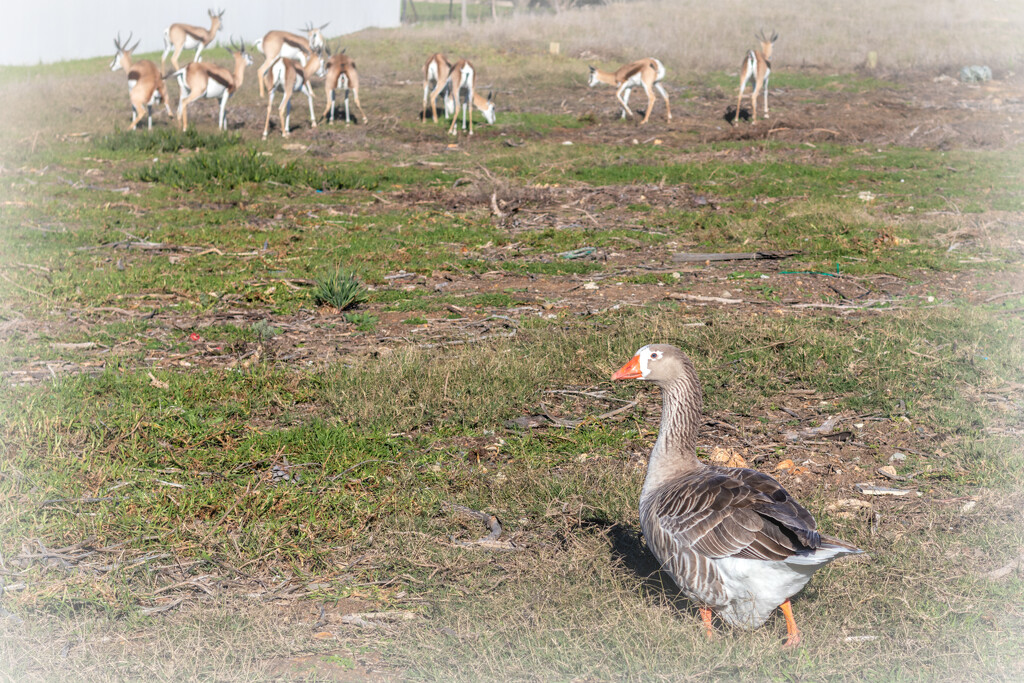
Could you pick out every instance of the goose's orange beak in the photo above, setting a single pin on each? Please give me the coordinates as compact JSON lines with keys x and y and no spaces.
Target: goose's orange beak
{"x":630,"y":370}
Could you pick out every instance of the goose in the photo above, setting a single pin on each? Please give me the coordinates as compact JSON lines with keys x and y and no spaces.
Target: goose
{"x":733,"y":539}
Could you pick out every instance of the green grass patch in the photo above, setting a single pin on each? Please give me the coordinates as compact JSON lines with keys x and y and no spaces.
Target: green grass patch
{"x":165,"y":140}
{"x":230,"y":169}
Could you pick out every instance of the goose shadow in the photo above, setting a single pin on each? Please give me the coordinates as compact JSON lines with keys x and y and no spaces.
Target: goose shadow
{"x":628,"y":547}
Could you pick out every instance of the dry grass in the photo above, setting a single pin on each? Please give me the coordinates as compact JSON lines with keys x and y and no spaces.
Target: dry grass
{"x":690,"y":38}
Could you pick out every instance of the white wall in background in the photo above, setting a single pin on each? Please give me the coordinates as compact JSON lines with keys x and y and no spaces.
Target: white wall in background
{"x":35,"y":31}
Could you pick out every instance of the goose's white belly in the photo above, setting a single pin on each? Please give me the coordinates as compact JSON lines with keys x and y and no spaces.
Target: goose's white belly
{"x":755,"y":588}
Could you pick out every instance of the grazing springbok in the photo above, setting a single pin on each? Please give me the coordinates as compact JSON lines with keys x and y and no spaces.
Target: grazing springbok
{"x":644,"y":73}
{"x":436,"y":82}
{"x":178,"y":37}
{"x":288,"y":76}
{"x":756,"y":65}
{"x":341,"y":73}
{"x":289,"y":45}
{"x":198,"y":80}
{"x":145,"y":84}
{"x":461,"y":78}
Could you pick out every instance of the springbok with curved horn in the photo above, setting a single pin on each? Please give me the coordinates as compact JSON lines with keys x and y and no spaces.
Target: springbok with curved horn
{"x":289,"y":45}
{"x":145,"y":84}
{"x":288,"y":76}
{"x":644,"y":73}
{"x":756,"y":65}
{"x":178,"y":37}
{"x":198,"y":80}
{"x":341,"y":73}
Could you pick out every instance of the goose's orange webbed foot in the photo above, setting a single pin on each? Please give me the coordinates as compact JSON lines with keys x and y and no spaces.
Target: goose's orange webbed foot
{"x":705,"y":615}
{"x":792,"y":632}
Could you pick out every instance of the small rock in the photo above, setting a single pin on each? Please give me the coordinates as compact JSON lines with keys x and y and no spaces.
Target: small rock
{"x":969,"y":505}
{"x":889,"y":471}
{"x":590,"y":285}
{"x":897,"y":457}
{"x":975,"y":74}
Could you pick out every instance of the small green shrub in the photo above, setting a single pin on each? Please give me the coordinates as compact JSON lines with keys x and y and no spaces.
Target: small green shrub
{"x":263,"y":331}
{"x":364,"y":322}
{"x":339,"y":289}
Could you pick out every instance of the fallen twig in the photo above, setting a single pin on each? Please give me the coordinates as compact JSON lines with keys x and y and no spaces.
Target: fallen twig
{"x":495,"y":209}
{"x":494,"y":526}
{"x":704,"y":299}
{"x":1006,"y":569}
{"x":365,"y":619}
{"x":684,"y":257}
{"x":55,"y":501}
{"x":872,"y":490}
{"x":821,"y":430}
{"x":70,"y":346}
{"x":162,"y":608}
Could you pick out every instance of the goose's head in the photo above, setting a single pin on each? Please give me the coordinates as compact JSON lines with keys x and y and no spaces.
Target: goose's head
{"x":658,"y":363}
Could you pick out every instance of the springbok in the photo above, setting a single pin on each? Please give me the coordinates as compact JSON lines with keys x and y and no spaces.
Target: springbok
{"x":646,"y":73}
{"x":461,"y":79}
{"x":145,"y":84}
{"x":341,"y":73}
{"x":199,"y":80}
{"x":178,"y":37}
{"x":288,"y":76}
{"x":756,"y":65}
{"x":435,"y":82}
{"x":283,"y":44}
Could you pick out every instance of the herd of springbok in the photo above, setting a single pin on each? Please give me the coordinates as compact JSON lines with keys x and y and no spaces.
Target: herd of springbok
{"x":291,"y":61}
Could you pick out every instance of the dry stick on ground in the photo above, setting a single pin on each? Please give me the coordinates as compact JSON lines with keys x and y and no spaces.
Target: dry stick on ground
{"x":590,"y":394}
{"x":708,"y":299}
{"x":494,"y":206}
{"x":493,"y":525}
{"x":573,"y":424}
{"x":683,"y":257}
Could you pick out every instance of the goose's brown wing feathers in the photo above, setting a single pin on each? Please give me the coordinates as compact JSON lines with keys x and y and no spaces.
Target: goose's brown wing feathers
{"x":725,"y":512}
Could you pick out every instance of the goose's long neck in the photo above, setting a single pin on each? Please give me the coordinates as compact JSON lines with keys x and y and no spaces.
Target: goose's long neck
{"x":675,"y":451}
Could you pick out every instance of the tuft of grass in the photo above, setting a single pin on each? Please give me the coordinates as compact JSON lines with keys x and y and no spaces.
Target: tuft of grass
{"x":229,"y":168}
{"x":164,"y":140}
{"x":340,"y":289}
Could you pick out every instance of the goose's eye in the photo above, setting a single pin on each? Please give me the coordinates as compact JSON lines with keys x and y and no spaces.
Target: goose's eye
{"x":655,"y":355}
